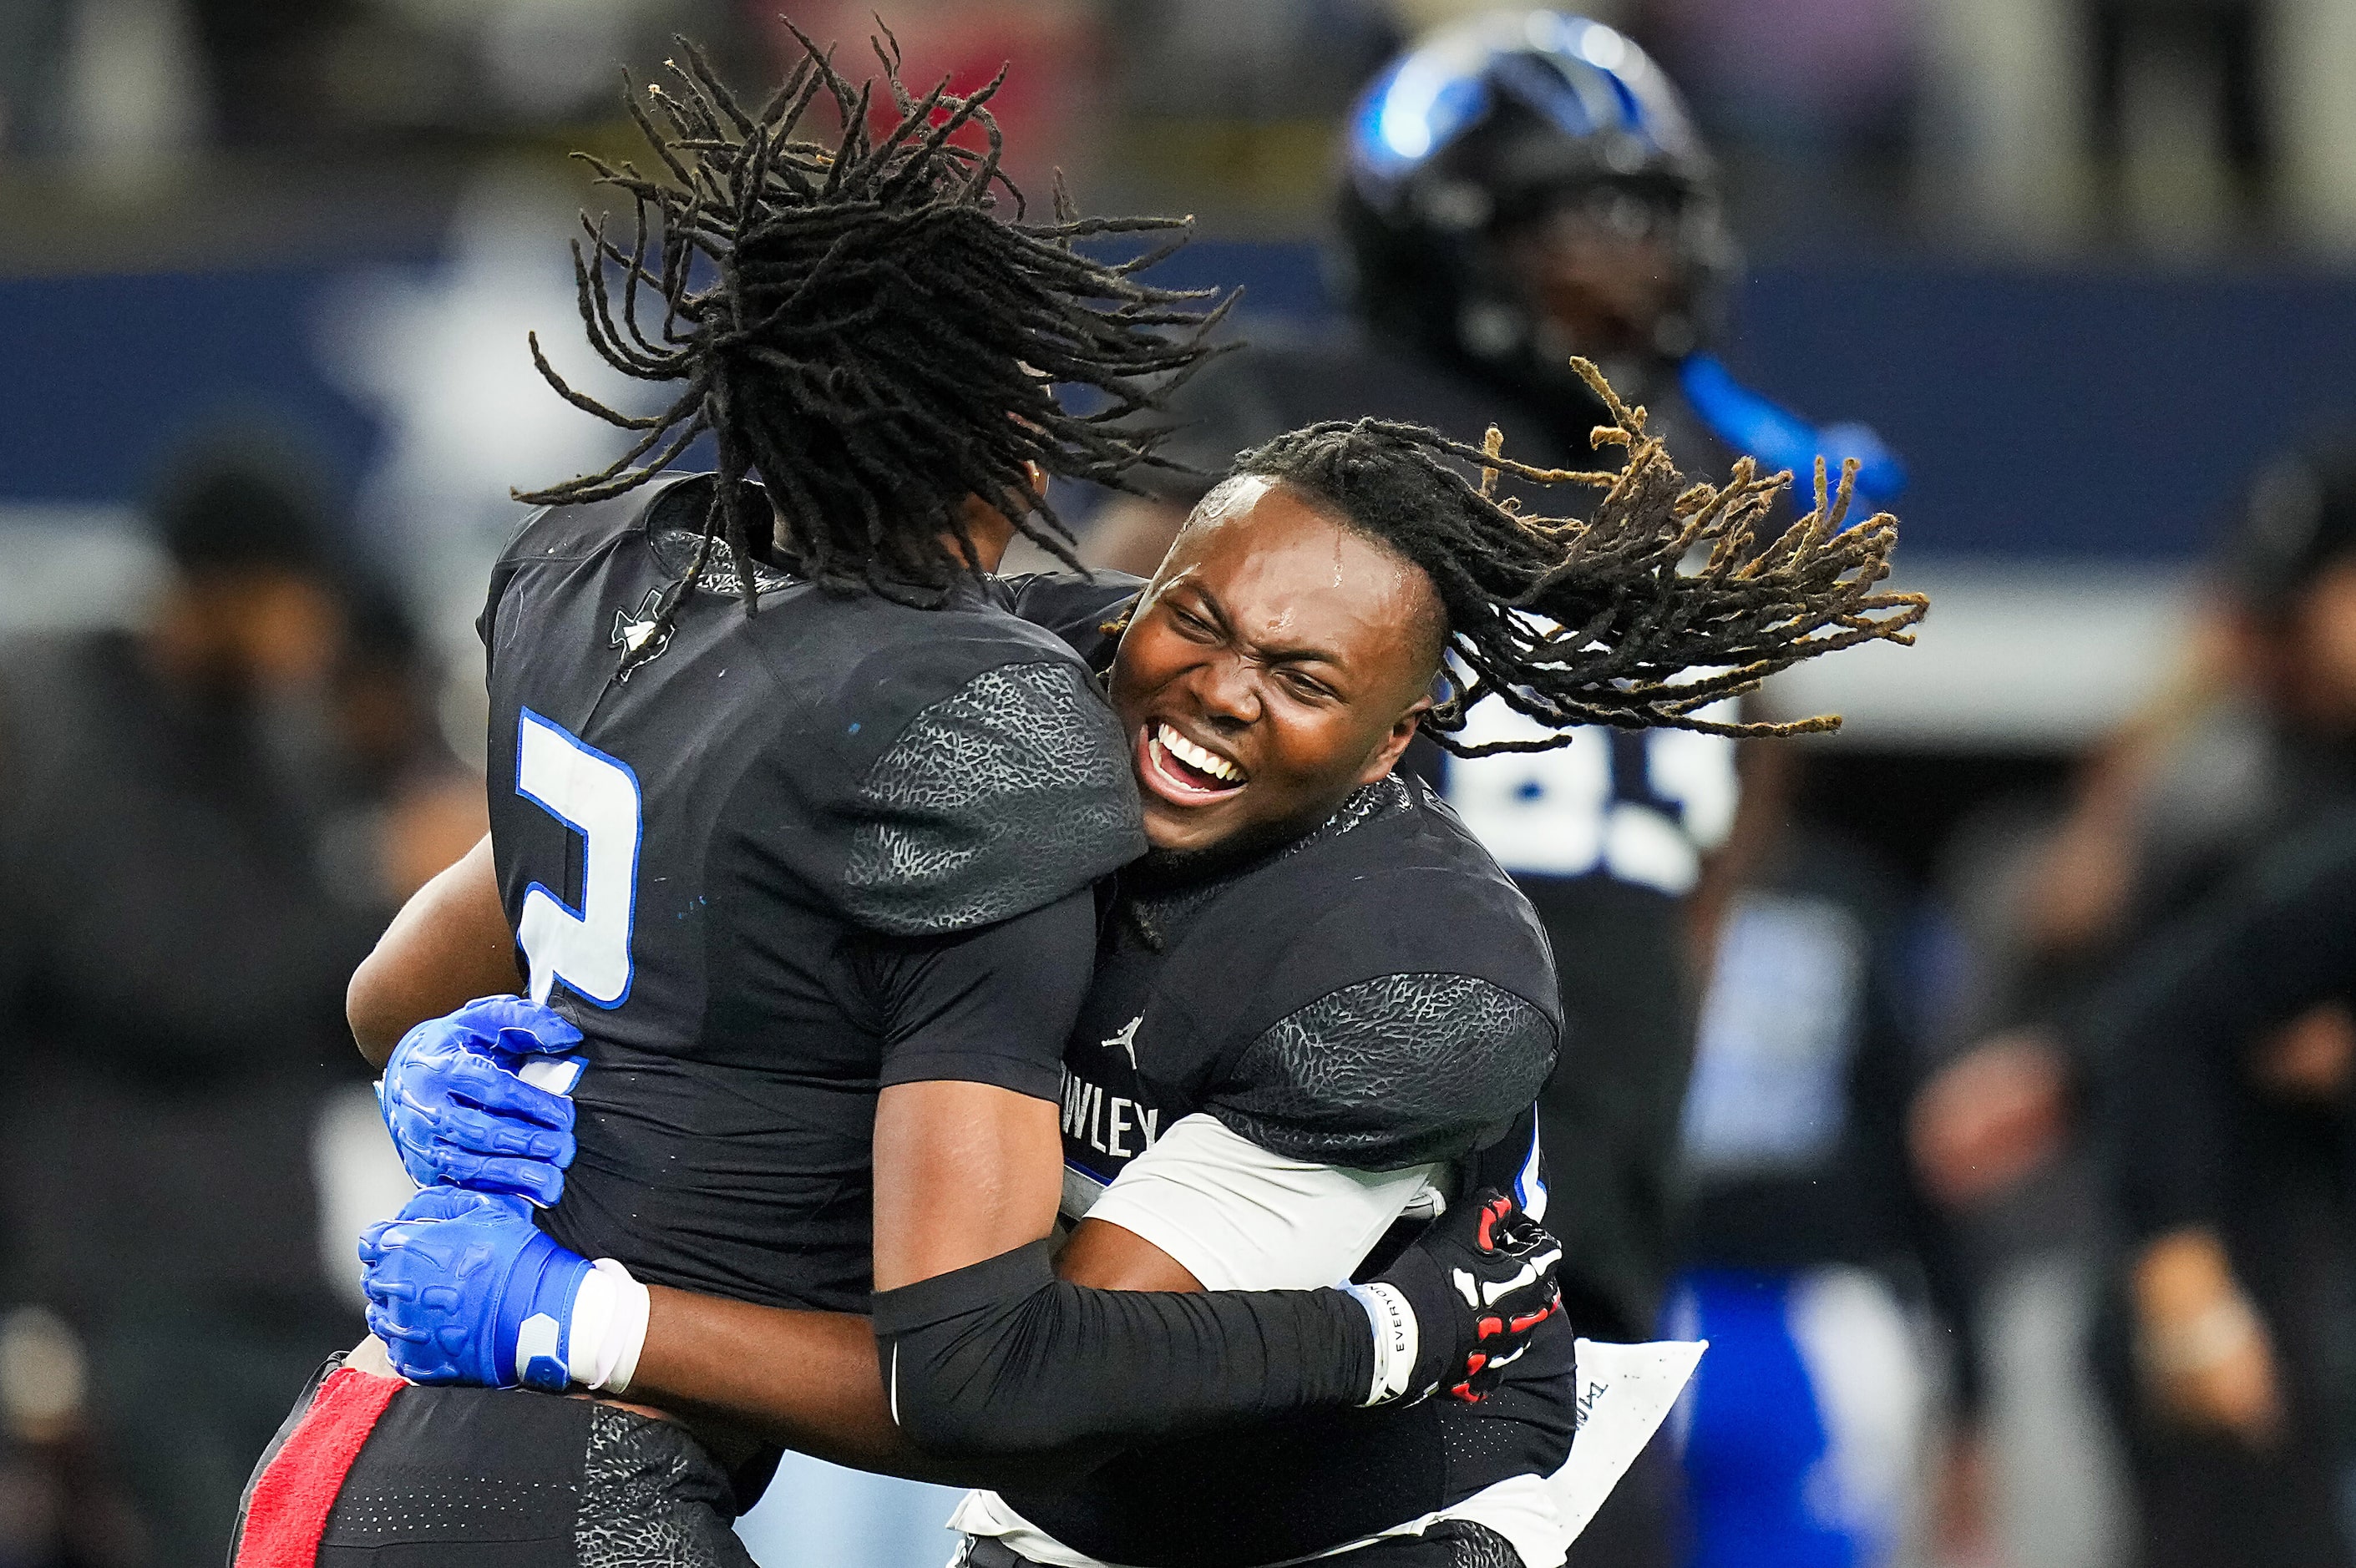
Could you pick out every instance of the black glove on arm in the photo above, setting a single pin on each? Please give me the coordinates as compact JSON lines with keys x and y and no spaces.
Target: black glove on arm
{"x":1461,"y":1304}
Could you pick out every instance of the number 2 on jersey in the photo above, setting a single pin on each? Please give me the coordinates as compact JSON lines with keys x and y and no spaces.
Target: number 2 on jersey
{"x":596,"y":796}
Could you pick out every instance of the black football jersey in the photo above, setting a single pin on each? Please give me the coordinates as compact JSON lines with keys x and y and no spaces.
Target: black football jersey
{"x":1605,"y":834}
{"x":771,"y":871}
{"x":1376,"y":994}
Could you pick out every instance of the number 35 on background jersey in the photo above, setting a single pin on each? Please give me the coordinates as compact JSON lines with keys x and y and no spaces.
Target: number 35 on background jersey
{"x":1571,"y":812}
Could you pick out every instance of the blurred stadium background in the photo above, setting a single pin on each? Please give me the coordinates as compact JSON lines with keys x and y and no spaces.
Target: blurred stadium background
{"x":2086,"y":264}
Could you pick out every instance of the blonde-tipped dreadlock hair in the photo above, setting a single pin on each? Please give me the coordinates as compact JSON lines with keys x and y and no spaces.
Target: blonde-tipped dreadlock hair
{"x":1660,"y":602}
{"x":858,"y":326}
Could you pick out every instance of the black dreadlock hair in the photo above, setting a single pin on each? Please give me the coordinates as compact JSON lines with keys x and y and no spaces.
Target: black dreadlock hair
{"x":1599,"y":620}
{"x":857,"y":326}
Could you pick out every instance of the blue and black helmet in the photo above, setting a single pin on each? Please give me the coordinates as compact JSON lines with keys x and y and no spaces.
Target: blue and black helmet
{"x":1503,"y":118}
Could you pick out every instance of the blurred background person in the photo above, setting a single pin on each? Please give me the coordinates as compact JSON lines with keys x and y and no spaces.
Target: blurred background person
{"x":178,"y":928}
{"x":403,"y":806}
{"x":2256,"y":737}
{"x":2230,"y":1052}
{"x":2255,"y":744}
{"x":1808,"y":1255}
{"x":1522,"y":186}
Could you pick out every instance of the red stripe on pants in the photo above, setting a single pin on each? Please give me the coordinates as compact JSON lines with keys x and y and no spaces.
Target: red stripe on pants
{"x":292,"y":1499}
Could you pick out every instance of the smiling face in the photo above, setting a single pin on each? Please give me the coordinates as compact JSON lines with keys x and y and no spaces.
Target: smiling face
{"x":1277,"y":662}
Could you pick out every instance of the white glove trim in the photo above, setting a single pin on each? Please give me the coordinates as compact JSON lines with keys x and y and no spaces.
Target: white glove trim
{"x":1396,"y":1339}
{"x":609,"y":1329}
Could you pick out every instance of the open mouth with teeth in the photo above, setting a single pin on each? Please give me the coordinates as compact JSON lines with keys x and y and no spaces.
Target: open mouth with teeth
{"x":1181,"y":771}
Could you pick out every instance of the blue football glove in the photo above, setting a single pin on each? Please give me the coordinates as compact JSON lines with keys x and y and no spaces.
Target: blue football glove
{"x":477,"y":1099}
{"x":464,"y":1288}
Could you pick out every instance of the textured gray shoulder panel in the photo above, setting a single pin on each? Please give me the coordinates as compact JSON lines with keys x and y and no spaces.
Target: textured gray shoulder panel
{"x":994,"y":801}
{"x":1390,"y":1071}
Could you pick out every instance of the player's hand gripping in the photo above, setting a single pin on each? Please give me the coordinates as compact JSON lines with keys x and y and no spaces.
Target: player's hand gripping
{"x":1458,"y":1307}
{"x":475,"y":1098}
{"x":464,"y":1288}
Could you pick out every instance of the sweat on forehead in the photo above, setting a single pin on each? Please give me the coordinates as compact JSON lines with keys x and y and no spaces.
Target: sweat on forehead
{"x":1235,"y":500}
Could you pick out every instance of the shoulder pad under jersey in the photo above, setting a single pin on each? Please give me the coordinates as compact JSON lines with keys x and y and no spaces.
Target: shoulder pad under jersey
{"x":571,"y":533}
{"x":1406,"y":1005}
{"x":1004,"y":795}
{"x":1393,"y":1071}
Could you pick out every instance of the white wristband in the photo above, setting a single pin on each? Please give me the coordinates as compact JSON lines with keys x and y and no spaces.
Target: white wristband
{"x":1396,"y":1339}
{"x":609,"y":1329}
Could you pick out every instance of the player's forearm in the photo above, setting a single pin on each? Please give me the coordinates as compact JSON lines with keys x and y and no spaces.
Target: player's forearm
{"x":804,"y":1379}
{"x":1005,"y":1381}
{"x":807,"y":1380}
{"x":1003,"y":1360}
{"x":993,"y":1356}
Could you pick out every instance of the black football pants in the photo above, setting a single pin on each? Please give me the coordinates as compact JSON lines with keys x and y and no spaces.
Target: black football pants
{"x":463,"y":1478}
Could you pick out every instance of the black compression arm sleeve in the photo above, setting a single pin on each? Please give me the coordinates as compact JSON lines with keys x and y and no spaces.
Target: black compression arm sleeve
{"x":1003,"y":1359}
